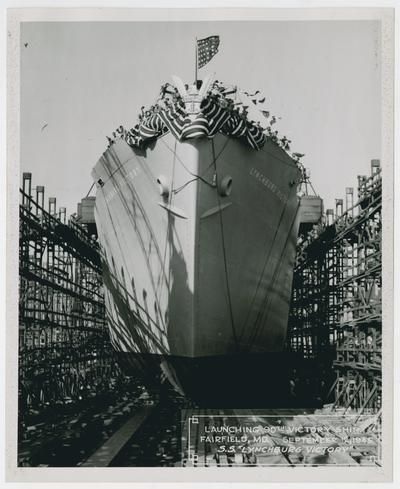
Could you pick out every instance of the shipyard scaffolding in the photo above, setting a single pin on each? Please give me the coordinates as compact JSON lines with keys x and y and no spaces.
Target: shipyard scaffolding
{"x":65,"y":354}
{"x":336,"y":312}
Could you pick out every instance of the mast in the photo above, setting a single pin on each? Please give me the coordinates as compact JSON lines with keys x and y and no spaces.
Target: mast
{"x":195,"y":67}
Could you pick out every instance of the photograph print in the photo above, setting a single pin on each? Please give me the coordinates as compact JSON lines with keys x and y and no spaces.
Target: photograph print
{"x":200,"y":244}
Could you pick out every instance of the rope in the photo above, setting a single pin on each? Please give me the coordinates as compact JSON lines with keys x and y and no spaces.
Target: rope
{"x":176,"y":191}
{"x":257,"y":323}
{"x":159,"y":284}
{"x":224,"y":253}
{"x":196,"y":177}
{"x":175,"y":156}
{"x":93,"y":184}
{"x":182,"y":163}
{"x":179,"y":189}
{"x":137,"y":203}
{"x":264,"y":267}
{"x":267,"y":302}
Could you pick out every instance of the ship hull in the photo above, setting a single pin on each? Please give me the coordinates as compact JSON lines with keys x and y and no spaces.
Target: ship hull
{"x":198,"y":247}
{"x":235,"y":380}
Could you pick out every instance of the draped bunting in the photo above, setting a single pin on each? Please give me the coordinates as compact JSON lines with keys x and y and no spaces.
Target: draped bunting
{"x":211,"y":119}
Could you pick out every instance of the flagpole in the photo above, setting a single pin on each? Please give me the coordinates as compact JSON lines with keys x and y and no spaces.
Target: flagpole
{"x":195,"y":68}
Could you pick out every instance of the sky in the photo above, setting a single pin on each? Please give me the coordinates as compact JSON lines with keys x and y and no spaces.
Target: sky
{"x":81,"y":80}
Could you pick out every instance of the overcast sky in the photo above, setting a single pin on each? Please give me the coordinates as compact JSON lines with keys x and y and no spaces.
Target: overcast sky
{"x":85,"y":79}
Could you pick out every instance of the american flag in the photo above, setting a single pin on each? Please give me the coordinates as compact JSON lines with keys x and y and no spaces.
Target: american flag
{"x":206,"y":49}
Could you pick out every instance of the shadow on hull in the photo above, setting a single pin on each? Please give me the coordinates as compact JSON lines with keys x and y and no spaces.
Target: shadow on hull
{"x":268,"y":380}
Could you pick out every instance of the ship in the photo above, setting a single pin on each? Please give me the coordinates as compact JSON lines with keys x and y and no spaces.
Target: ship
{"x":197,"y":214}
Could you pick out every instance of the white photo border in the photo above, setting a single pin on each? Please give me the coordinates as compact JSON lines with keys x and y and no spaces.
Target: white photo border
{"x":139,"y":474}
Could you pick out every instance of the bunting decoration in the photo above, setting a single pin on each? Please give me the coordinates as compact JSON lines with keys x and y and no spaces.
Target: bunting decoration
{"x":216,"y":113}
